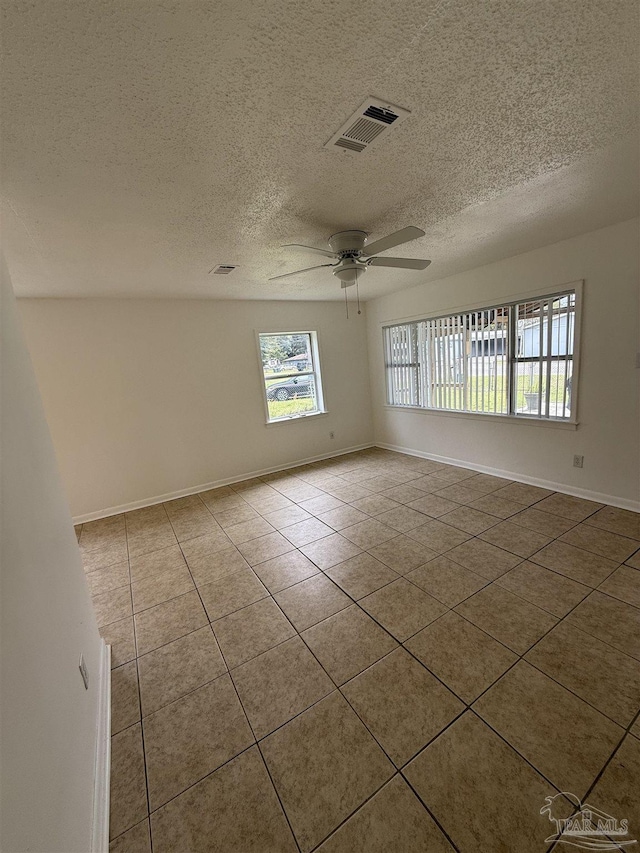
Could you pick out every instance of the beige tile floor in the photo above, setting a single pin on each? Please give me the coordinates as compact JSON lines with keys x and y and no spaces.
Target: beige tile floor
{"x":370,"y":653}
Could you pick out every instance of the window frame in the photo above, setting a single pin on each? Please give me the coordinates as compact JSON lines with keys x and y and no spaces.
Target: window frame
{"x":315,"y":372}
{"x":510,"y":301}
{"x":544,"y":360}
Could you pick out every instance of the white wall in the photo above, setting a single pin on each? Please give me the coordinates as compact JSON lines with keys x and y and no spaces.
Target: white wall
{"x":48,"y":719}
{"x":148,"y":397}
{"x":609,"y":432}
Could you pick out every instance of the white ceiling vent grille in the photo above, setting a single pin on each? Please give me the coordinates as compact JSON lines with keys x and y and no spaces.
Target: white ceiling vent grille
{"x":222,"y":269}
{"x":368,"y":124}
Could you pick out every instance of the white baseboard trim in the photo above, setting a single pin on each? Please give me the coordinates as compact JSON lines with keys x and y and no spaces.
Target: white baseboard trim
{"x":203,"y":487}
{"x":100,"y":834}
{"x":613,"y":500}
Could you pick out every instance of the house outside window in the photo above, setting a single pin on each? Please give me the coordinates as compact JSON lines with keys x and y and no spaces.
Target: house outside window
{"x":515,"y":359}
{"x":291,"y":375}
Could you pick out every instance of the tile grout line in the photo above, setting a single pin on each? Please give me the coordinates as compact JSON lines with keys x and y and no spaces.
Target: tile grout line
{"x":488,"y":583}
{"x":340,"y":686}
{"x":354,"y":601}
{"x":626,"y":733}
{"x":277,"y":793}
{"x":521,"y":658}
{"x":251,"y":729}
{"x":429,"y":812}
{"x":337,"y":689}
{"x":137,"y":656}
{"x":207,"y":615}
{"x":371,"y":797}
{"x":135,"y":642}
{"x":468,"y":705}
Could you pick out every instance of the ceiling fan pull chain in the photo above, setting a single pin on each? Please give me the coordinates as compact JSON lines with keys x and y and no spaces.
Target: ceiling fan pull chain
{"x":346,"y":302}
{"x":358,"y":292}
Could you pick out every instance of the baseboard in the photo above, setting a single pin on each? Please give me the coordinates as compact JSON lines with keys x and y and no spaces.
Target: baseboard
{"x":600,"y":497}
{"x":100,"y":834}
{"x":203,"y":487}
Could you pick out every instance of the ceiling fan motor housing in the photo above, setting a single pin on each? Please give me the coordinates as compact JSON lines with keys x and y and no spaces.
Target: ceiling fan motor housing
{"x":348,"y":242}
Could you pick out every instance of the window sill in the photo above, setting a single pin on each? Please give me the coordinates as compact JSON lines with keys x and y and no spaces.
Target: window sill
{"x":294,"y":418}
{"x":512,"y":419}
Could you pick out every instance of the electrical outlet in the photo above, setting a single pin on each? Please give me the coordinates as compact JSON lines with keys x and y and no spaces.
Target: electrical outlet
{"x":84,"y":672}
{"x":332,"y":434}
{"x":578,"y":461}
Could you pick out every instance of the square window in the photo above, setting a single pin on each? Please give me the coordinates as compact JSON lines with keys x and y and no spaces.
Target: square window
{"x":291,"y":375}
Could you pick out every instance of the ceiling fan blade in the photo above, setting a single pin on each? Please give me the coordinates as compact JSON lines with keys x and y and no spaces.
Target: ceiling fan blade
{"x":391,"y":240}
{"x":324,"y":252}
{"x":298,"y":272}
{"x":401,"y":263}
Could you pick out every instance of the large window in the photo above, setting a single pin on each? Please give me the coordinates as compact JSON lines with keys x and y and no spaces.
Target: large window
{"x":291,"y":372}
{"x":511,"y":359}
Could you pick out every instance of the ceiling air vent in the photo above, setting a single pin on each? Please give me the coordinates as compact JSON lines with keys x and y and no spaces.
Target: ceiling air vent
{"x":369,"y":123}
{"x":222,"y":269}
{"x":350,"y":144}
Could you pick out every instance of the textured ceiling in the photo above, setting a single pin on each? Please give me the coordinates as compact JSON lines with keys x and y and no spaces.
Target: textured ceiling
{"x":145,"y":142}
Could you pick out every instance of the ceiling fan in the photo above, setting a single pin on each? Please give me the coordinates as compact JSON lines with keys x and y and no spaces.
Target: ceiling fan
{"x":353,"y":256}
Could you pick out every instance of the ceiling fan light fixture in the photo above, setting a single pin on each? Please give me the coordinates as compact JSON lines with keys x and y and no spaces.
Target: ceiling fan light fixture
{"x":348,"y":275}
